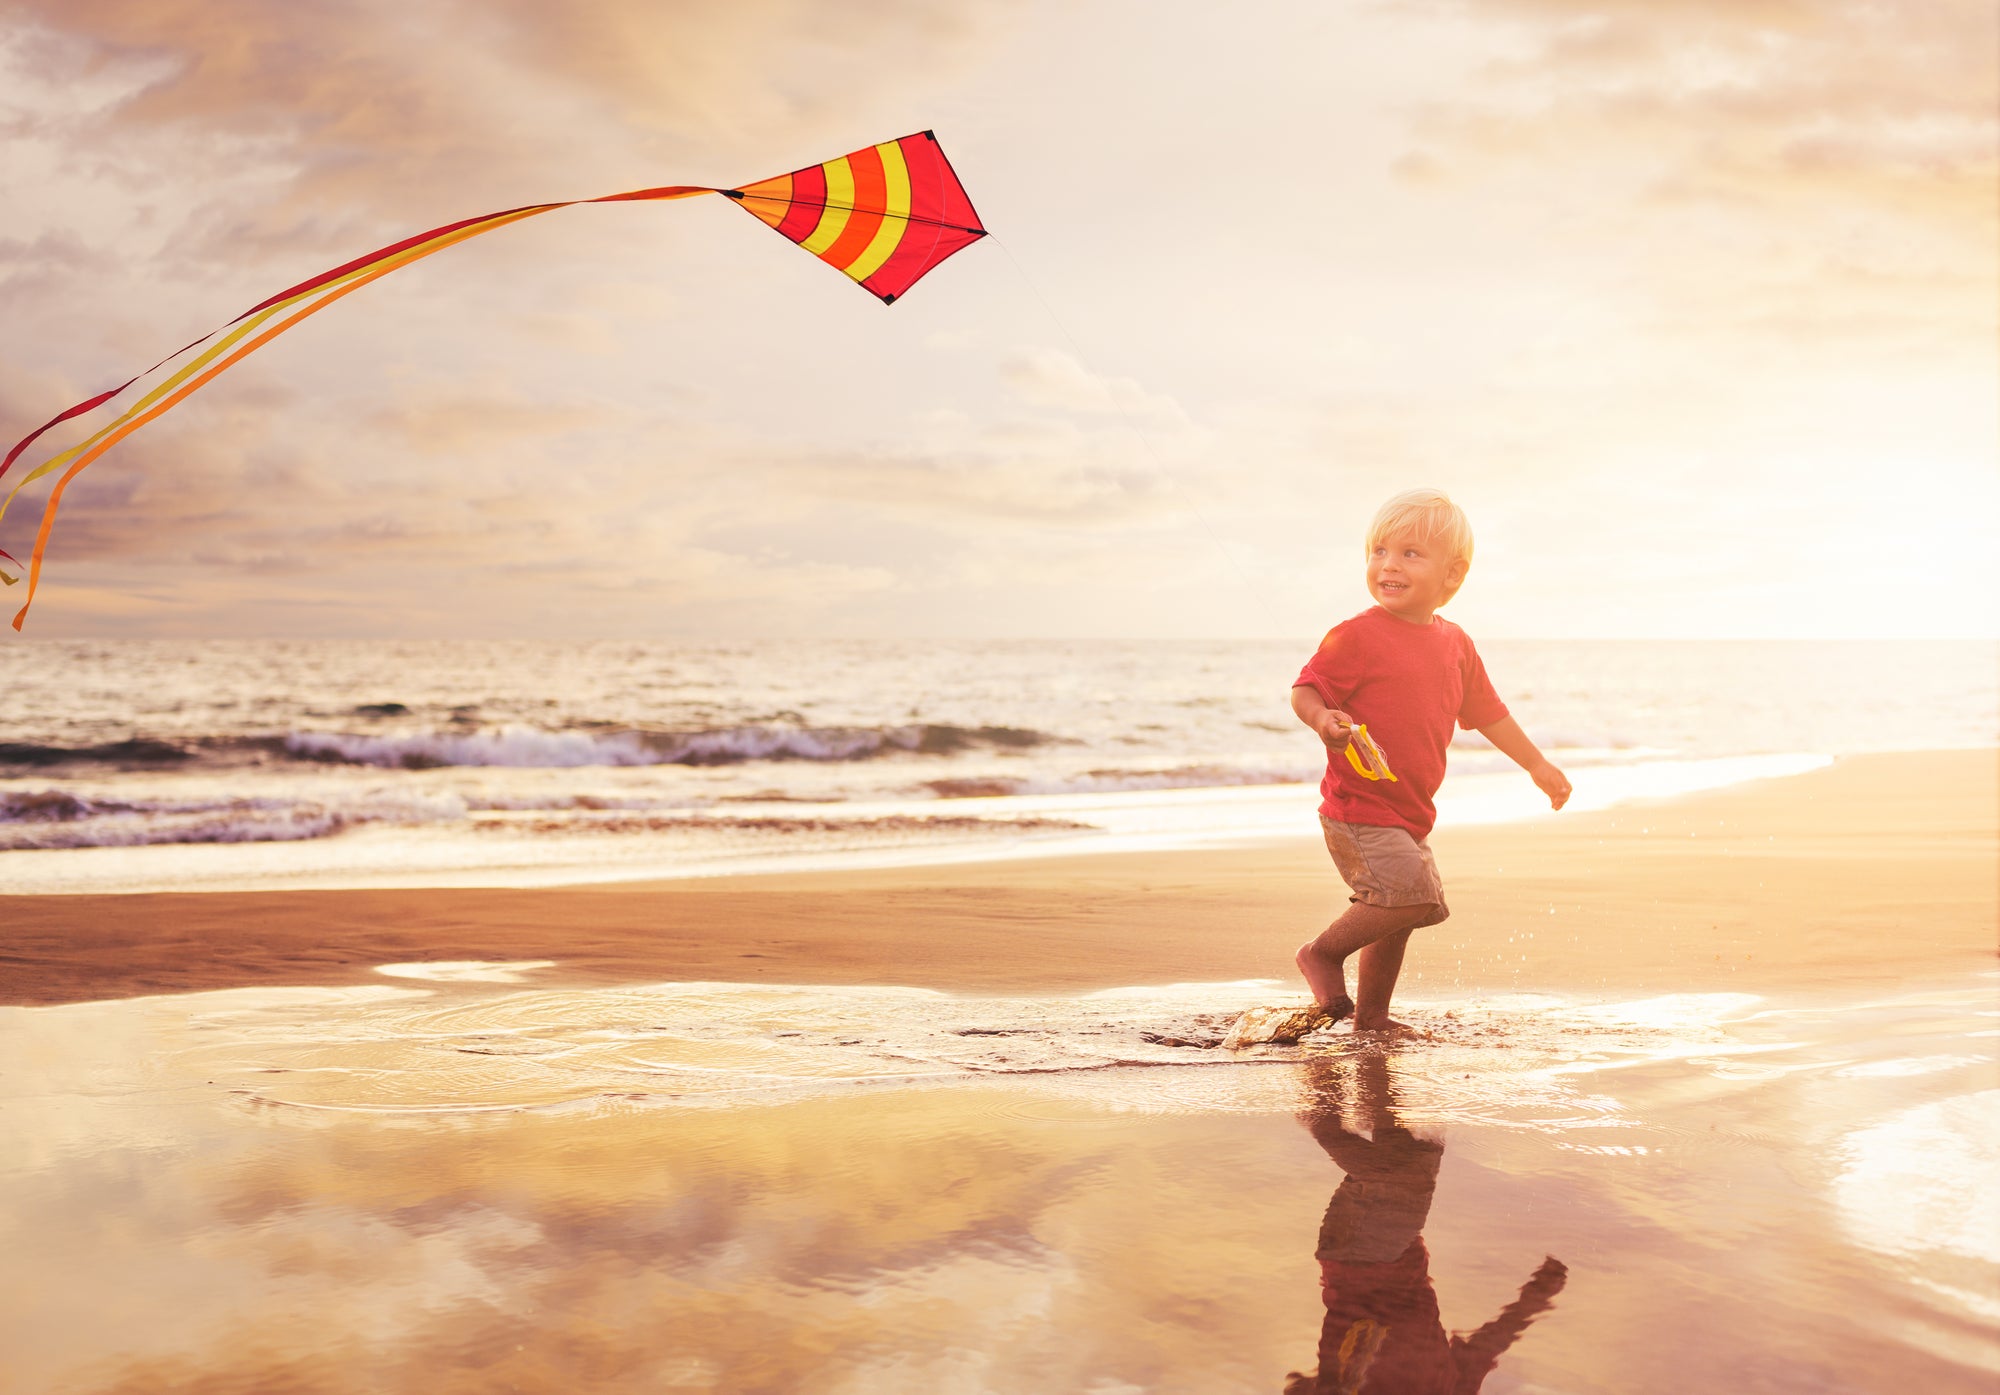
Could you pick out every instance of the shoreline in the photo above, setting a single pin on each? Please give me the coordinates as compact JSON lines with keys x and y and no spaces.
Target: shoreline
{"x":1876,"y":868}
{"x":383,"y":857}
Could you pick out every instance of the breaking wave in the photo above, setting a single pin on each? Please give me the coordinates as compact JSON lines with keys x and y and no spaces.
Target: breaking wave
{"x":533,"y":748}
{"x":137,"y":751}
{"x":56,"y":818}
{"x":53,"y":818}
{"x":530,"y":748}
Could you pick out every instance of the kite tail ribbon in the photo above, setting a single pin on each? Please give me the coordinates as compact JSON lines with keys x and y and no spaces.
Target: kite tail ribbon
{"x":883,"y":216}
{"x":295,"y":304}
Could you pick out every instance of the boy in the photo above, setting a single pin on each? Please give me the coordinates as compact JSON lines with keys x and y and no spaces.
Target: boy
{"x":1405,"y":676}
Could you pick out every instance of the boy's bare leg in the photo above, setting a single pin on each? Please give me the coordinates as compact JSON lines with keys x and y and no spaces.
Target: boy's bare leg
{"x":1323,"y":960}
{"x":1381,"y":962}
{"x":1327,"y":982}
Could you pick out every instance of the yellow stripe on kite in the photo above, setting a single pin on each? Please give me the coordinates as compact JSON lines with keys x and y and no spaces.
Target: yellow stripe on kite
{"x":895,"y":214}
{"x":839,"y":203}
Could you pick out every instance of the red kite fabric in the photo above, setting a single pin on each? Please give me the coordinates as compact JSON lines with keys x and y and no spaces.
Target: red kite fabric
{"x":884,"y":215}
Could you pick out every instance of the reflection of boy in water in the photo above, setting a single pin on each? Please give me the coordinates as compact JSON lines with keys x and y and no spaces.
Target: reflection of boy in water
{"x":1383,"y":1333}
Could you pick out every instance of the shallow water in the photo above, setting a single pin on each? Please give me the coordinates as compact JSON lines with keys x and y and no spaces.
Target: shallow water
{"x":463,"y":1179}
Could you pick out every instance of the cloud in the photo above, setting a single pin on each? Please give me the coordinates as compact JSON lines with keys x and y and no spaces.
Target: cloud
{"x":1024,"y":475}
{"x":457,"y":425}
{"x":372,"y":101}
{"x":1753,"y":103}
{"x":1833,"y":162}
{"x":1047,"y":377}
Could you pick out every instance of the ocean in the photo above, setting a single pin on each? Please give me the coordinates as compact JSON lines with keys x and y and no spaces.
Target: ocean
{"x":155,"y":765}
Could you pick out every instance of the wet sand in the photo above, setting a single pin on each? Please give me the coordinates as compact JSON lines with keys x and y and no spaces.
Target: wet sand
{"x":1876,"y":868}
{"x":1710,"y":1102}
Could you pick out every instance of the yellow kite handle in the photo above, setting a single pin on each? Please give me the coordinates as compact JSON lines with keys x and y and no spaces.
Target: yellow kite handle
{"x":1376,"y":766}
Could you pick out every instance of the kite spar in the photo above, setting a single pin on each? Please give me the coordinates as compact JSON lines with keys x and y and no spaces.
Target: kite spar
{"x":884,"y":215}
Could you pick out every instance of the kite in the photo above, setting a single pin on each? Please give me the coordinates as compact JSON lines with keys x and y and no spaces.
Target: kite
{"x":884,"y":215}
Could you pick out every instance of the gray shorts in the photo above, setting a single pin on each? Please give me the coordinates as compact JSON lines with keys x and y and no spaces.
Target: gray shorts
{"x":1384,"y":866}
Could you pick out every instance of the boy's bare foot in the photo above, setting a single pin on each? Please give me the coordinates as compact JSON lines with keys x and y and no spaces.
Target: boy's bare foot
{"x":1326,"y":980}
{"x":1387,"y":1027}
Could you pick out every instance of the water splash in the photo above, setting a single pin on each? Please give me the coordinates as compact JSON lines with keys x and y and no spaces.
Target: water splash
{"x":1516,"y":1062}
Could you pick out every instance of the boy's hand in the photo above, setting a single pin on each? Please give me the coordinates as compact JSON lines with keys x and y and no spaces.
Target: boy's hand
{"x":1552,"y":782}
{"x":1335,"y":728}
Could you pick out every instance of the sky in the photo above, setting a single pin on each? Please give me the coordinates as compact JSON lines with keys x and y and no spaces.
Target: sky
{"x":1690,"y":303}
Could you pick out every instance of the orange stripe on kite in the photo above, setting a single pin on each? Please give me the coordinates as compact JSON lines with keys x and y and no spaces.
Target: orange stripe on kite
{"x":895,"y":221}
{"x":870,"y":185}
{"x":770,"y":200}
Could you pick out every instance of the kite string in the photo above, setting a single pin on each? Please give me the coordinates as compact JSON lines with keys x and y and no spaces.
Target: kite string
{"x":1256,"y":592}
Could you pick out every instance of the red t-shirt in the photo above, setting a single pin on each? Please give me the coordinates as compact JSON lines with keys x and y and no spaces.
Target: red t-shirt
{"x":1383,"y":1334}
{"x":1409,"y":683}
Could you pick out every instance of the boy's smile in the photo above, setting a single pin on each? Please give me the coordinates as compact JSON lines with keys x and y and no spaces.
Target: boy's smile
{"x":1409,"y":577}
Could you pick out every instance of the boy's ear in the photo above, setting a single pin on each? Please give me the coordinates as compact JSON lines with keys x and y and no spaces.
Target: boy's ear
{"x":1454,"y":575}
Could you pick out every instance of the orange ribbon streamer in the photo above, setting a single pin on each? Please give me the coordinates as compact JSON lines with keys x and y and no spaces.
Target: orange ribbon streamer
{"x":333,"y":285}
{"x":860,"y":214}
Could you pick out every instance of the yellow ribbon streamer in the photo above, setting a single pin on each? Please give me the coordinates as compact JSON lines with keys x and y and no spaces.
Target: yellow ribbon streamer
{"x":151,"y":405}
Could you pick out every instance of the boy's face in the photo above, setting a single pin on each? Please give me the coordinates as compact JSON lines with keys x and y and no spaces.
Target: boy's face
{"x":1410,"y":577}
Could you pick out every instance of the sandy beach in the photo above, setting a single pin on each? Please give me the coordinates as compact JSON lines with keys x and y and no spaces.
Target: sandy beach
{"x":1876,"y":869}
{"x":1708,"y":1101}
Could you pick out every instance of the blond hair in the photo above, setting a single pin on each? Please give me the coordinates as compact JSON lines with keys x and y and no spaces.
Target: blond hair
{"x":1428,"y":514}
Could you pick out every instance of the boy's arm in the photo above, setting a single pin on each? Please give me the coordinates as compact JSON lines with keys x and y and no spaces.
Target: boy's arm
{"x":1507,"y":735}
{"x":1330,"y":724}
{"x":1477,"y":1354}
